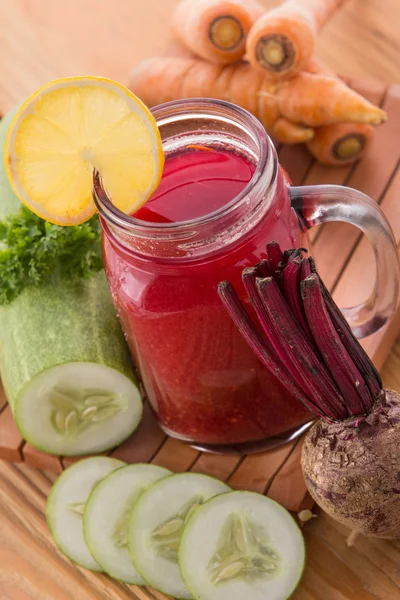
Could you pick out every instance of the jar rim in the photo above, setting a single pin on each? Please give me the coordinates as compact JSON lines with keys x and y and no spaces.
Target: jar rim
{"x":168,"y":110}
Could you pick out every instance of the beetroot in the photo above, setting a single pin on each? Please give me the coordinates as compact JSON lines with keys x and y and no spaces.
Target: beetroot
{"x":350,"y":458}
{"x":352,"y":468}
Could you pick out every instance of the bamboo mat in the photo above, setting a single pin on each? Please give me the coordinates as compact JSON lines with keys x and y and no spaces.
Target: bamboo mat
{"x":343,"y":258}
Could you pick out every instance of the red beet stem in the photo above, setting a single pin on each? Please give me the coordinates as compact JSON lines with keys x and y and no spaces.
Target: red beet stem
{"x":263,"y":268}
{"x":294,"y":350}
{"x":249,"y":277}
{"x":259,"y":345}
{"x":306,"y":268}
{"x":287,"y":256}
{"x":291,"y":291}
{"x":357,"y":353}
{"x":359,"y":400}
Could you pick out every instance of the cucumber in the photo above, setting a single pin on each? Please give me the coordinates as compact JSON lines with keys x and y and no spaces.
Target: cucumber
{"x":241,"y":545}
{"x":156,"y":525}
{"x":106,"y":516}
{"x":66,"y":369}
{"x":66,"y":503}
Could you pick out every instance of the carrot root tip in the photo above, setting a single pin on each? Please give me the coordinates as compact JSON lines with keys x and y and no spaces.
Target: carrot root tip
{"x":349,"y":146}
{"x":275,"y":53}
{"x":226,"y":33}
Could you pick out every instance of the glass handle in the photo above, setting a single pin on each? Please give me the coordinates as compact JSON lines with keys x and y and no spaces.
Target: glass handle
{"x":324,"y":203}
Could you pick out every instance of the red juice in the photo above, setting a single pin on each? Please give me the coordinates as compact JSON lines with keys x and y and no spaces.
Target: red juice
{"x":197,"y":183}
{"x":204,"y":383}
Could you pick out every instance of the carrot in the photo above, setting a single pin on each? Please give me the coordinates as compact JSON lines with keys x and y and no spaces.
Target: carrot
{"x":339,"y":145}
{"x":282,"y":41}
{"x":316,"y":100}
{"x":303,"y":102}
{"x":288,"y":132}
{"x":215,"y":30}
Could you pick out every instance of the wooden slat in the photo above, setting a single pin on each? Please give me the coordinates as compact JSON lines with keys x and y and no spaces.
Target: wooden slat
{"x":289,"y":488}
{"x":11,"y":441}
{"x":144,"y":443}
{"x":372,"y":573}
{"x":216,"y":465}
{"x":379,"y":345}
{"x":41,"y":460}
{"x":175,"y":455}
{"x":258,"y":471}
{"x":3,"y":399}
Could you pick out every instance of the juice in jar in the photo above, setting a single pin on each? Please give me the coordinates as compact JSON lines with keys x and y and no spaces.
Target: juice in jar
{"x":203,"y":381}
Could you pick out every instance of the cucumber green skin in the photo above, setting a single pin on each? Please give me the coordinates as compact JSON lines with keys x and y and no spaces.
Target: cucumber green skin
{"x":63,"y":321}
{"x":9,"y":202}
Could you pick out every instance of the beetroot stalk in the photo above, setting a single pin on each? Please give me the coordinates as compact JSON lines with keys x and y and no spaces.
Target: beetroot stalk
{"x":347,"y":376}
{"x":291,"y":345}
{"x":256,"y":342}
{"x":357,"y":354}
{"x":291,"y":275}
{"x":249,"y":277}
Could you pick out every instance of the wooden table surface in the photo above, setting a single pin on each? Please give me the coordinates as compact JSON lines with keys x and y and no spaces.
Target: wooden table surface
{"x":44,"y":39}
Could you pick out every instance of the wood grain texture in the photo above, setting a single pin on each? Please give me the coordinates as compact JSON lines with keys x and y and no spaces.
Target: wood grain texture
{"x":43,"y":40}
{"x":276,"y":473}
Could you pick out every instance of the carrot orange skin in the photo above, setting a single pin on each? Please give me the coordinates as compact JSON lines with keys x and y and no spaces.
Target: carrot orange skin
{"x":199,"y":82}
{"x":316,"y":100}
{"x":282,"y":41}
{"x":244,"y":88}
{"x":291,"y":133}
{"x":341,"y":144}
{"x":159,"y":80}
{"x":200,"y":26}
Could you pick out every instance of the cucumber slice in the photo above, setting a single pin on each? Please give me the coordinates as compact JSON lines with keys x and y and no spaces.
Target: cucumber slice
{"x":156,"y":525}
{"x":241,"y":545}
{"x":66,"y":504}
{"x":106,"y":517}
{"x":78,"y":408}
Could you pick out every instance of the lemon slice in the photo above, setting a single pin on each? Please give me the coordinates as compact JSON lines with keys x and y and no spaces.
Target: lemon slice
{"x":70,"y":127}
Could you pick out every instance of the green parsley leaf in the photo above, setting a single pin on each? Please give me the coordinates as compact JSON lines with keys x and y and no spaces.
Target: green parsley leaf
{"x":32,"y":251}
